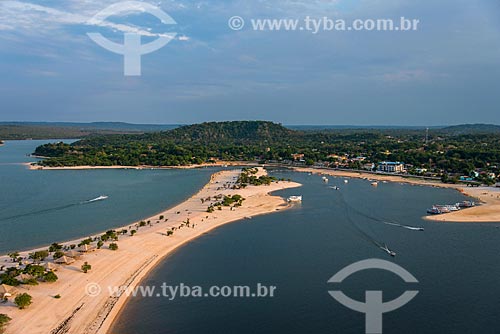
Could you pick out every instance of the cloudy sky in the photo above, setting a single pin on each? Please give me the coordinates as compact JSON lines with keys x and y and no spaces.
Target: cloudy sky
{"x":447,"y":72}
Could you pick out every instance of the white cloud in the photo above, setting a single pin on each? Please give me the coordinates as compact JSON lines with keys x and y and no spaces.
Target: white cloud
{"x":33,"y":18}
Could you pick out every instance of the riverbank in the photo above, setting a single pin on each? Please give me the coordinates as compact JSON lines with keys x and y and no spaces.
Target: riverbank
{"x":488,"y":197}
{"x":78,"y":312}
{"x":33,"y":166}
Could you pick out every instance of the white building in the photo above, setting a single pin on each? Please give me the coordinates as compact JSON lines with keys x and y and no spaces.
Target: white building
{"x":391,"y":167}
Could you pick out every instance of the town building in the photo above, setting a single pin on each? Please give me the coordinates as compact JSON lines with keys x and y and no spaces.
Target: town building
{"x":391,"y":167}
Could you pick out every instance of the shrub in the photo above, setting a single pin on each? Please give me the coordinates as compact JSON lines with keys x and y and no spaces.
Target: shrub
{"x":50,"y":277}
{"x":86,"y":267}
{"x":23,"y":300}
{"x":4,"y":320}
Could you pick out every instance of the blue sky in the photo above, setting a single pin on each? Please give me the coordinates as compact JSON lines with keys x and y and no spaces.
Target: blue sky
{"x":447,"y":72}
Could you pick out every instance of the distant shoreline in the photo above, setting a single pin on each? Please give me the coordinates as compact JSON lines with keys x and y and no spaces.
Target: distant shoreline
{"x":489,"y":197}
{"x":33,"y":166}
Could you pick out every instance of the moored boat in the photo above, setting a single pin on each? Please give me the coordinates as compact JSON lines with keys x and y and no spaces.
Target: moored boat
{"x":296,"y":198}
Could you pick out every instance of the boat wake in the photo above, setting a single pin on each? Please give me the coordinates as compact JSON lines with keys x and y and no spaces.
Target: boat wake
{"x":361,"y":232}
{"x":411,"y":228}
{"x":53,"y":209}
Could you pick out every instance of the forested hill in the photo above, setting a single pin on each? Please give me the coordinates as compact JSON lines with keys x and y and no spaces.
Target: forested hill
{"x":234,"y":132}
{"x":472,"y":129}
{"x":184,"y":145}
{"x":435,"y":152}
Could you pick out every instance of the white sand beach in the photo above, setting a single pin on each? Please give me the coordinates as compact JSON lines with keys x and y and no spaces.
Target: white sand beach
{"x":78,"y":313}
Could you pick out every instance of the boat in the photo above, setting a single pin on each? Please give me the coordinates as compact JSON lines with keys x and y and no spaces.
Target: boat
{"x":375,"y":184}
{"x":346,"y":181}
{"x":335,"y":188}
{"x":297,"y":198}
{"x":452,"y":207}
{"x":434,"y":211}
{"x":446,"y":208}
{"x":388,"y":251}
{"x":100,"y":198}
{"x":465,"y":204}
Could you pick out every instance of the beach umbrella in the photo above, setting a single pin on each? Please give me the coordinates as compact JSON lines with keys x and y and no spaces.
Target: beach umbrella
{"x":50,"y":266}
{"x":23,"y":277}
{"x":72,"y":253}
{"x":65,"y":260}
{"x":86,"y":248}
{"x":5,"y":291}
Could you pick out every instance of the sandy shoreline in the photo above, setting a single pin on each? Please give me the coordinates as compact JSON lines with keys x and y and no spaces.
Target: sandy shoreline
{"x":78,"y":313}
{"x":31,"y":166}
{"x":488,"y":197}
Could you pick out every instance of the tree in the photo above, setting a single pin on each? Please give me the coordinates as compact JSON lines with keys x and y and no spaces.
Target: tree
{"x":23,"y":300}
{"x":14,"y":256}
{"x":55,"y":247}
{"x":50,"y":277}
{"x":58,"y":254}
{"x":4,"y":320}
{"x":86,"y":267}
{"x":99,"y":244}
{"x":133,"y":232}
{"x":39,"y":255}
{"x":113,"y":246}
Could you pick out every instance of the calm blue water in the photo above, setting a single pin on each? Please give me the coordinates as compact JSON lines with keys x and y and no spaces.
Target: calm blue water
{"x":300,"y":249}
{"x":41,"y":207}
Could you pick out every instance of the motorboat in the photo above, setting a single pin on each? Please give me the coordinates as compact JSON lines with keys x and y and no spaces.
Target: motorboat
{"x":296,"y":198}
{"x":388,"y":251}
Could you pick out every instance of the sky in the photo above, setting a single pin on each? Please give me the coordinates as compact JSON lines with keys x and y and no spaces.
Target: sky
{"x":446,"y":72}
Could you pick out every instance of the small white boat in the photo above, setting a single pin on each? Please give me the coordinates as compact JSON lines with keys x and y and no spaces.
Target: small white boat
{"x":375,"y":184}
{"x":100,"y":198}
{"x":388,"y":251}
{"x":335,"y":188}
{"x":346,"y":181}
{"x":295,"y":199}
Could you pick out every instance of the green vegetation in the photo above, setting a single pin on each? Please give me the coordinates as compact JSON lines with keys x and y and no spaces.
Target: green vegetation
{"x":58,"y":254}
{"x":23,"y":300}
{"x":113,"y":246}
{"x":21,"y":131}
{"x":37,"y":272}
{"x":454,"y":151}
{"x":247,"y":177}
{"x":13,"y":256}
{"x":50,"y":277}
{"x":55,"y":247}
{"x":39,"y":255}
{"x":4,"y":321}
{"x":86,"y":267}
